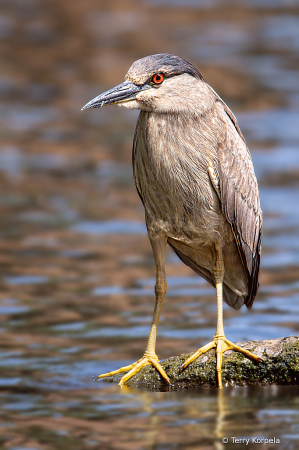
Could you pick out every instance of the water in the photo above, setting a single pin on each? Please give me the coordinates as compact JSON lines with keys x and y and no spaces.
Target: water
{"x":77,"y":271}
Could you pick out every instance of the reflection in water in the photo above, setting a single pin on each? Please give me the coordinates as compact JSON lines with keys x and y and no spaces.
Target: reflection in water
{"x":190,"y":419}
{"x":220,"y":431}
{"x":77,"y":269}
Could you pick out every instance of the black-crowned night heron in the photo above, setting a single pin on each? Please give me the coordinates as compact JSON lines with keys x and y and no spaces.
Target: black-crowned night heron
{"x":195,"y":177}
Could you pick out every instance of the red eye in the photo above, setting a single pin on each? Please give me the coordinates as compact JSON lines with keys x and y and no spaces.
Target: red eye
{"x":158,"y":78}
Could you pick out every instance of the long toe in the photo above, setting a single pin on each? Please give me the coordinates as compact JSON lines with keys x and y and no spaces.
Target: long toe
{"x":115,"y":372}
{"x":231,"y":346}
{"x":199,"y":352}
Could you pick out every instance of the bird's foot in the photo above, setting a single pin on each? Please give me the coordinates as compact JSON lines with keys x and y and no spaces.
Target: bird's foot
{"x":222,"y":345}
{"x":146,"y":360}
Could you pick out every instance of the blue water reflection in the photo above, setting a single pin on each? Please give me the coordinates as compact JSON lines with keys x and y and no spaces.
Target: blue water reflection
{"x":111,"y":227}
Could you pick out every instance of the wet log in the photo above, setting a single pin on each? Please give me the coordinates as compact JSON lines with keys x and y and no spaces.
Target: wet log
{"x":279,"y":365}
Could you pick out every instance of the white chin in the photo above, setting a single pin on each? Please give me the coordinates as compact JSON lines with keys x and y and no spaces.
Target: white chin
{"x":134,"y":104}
{"x":131,"y":104}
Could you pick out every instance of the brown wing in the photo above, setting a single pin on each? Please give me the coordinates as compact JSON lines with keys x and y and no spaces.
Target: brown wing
{"x":239,"y":196}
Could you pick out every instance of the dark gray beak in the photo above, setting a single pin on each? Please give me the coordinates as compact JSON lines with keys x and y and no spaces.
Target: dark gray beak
{"x":121,"y":93}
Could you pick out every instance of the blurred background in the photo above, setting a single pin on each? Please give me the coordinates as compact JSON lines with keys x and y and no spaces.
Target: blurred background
{"x":77,"y":271}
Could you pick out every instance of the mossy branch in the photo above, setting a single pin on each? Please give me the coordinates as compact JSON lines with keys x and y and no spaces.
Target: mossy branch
{"x":279,"y":365}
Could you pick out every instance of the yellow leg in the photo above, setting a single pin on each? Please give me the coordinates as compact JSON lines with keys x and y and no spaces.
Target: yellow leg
{"x":219,"y":341}
{"x":150,"y":357}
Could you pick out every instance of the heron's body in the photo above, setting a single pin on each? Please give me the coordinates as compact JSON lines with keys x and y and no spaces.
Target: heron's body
{"x":195,"y":177}
{"x":180,"y":201}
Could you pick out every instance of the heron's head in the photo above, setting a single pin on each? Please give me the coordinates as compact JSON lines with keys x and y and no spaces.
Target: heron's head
{"x":160,"y":83}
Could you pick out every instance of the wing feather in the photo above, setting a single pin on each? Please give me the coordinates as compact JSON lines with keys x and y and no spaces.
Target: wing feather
{"x":239,"y":196}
